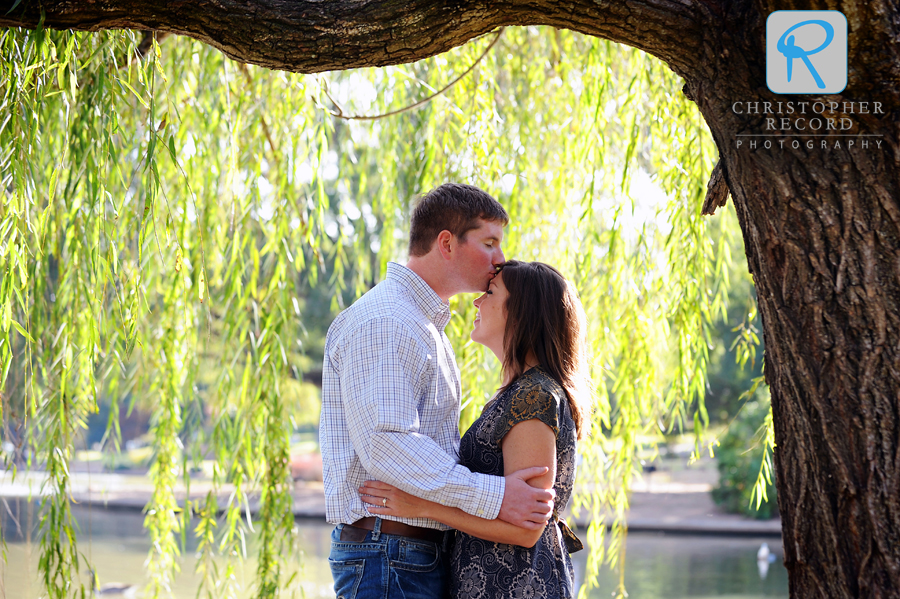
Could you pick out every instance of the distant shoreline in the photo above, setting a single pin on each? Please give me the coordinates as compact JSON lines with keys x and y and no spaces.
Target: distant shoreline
{"x":672,"y":508}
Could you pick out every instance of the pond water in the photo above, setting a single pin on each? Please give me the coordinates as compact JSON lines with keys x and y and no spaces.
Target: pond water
{"x":657,"y":566}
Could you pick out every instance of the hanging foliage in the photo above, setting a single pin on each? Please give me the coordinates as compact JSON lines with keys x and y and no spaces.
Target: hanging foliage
{"x":166,"y":211}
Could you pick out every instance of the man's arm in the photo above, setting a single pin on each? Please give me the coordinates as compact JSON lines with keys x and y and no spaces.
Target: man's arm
{"x":382,"y":368}
{"x":406,"y":505}
{"x":530,"y":446}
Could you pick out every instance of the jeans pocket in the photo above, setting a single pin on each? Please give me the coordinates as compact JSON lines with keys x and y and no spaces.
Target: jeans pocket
{"x":417,"y":556}
{"x":347,"y":576}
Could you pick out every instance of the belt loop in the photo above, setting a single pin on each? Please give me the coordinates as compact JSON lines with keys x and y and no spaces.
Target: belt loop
{"x":376,"y":532}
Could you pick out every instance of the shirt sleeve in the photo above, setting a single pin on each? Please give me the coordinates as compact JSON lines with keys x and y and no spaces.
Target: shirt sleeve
{"x":529,"y":401}
{"x":381,"y":376}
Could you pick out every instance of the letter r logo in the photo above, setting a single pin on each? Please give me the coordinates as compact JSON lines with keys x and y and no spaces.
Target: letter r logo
{"x":806,"y":52}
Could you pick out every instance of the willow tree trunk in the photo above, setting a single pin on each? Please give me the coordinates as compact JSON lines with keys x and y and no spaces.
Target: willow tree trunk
{"x":821,"y":223}
{"x":823,"y":249}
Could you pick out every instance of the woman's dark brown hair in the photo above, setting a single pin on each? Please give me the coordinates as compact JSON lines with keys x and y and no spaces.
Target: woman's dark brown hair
{"x":544,"y":316}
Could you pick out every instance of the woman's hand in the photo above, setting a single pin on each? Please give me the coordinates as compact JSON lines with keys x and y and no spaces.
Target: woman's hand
{"x":387,"y":500}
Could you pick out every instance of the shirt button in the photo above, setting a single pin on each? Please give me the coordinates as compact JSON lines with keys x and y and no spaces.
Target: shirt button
{"x":480,"y":512}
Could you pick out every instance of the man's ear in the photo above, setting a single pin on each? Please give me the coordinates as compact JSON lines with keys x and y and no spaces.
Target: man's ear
{"x":446,"y":243}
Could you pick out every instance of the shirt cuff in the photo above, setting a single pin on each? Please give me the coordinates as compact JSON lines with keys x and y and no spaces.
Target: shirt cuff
{"x":489,"y":497}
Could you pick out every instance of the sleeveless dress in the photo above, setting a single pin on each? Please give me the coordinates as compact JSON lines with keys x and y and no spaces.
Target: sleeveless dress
{"x":485,"y":570}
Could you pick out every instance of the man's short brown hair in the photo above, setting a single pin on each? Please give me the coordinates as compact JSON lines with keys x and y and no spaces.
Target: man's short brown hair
{"x":455,"y":207}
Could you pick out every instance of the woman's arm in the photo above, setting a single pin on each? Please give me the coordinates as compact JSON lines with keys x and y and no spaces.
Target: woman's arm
{"x":529,"y":443}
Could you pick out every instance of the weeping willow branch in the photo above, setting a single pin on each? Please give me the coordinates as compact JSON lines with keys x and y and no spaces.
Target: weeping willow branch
{"x":148,"y":40}
{"x":340,"y":113}
{"x":262,"y":121}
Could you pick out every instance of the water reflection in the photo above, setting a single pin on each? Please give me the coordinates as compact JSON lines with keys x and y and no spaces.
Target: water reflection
{"x":680,"y":567}
{"x":656,"y":566}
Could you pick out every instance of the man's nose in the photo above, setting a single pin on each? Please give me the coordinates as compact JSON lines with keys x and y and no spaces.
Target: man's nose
{"x":499,"y":258}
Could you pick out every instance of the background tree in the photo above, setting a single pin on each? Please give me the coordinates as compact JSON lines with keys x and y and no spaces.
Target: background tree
{"x":820,"y":227}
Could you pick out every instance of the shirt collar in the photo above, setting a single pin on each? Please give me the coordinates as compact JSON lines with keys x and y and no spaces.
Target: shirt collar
{"x":421,"y":293}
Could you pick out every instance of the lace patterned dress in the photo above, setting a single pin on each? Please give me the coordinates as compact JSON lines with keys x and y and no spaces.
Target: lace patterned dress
{"x":486,"y":570}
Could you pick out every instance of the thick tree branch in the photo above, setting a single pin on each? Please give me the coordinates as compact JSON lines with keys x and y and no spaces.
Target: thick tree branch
{"x":716,"y":191}
{"x":311,"y":37}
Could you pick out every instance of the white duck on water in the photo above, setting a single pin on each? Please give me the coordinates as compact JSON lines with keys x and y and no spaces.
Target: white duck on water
{"x":111,"y":589}
{"x":764,"y":557}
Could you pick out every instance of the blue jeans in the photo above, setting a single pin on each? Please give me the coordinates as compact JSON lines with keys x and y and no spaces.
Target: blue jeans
{"x":388,"y":567}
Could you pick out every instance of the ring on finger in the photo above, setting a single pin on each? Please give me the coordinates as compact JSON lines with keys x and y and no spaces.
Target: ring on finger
{"x":384,"y":502}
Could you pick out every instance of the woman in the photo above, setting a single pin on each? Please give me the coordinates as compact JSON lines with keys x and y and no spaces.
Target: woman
{"x":532,"y":320}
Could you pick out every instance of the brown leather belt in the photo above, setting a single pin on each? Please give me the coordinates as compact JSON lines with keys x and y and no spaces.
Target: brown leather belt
{"x":356,"y":532}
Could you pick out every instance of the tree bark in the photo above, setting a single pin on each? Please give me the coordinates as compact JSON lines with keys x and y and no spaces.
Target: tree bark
{"x":315,"y":36}
{"x":821,"y":225}
{"x":822,"y":235}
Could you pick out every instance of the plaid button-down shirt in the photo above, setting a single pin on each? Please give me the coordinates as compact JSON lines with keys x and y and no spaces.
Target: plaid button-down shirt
{"x":390,"y":405}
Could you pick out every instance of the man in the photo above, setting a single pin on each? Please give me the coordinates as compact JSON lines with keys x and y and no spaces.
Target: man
{"x":390,"y":406}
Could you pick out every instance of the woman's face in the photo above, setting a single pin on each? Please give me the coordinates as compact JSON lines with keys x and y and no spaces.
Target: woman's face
{"x":490,"y":322}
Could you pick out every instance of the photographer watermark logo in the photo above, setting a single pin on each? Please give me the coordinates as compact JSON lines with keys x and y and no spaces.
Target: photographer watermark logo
{"x":806,"y":52}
